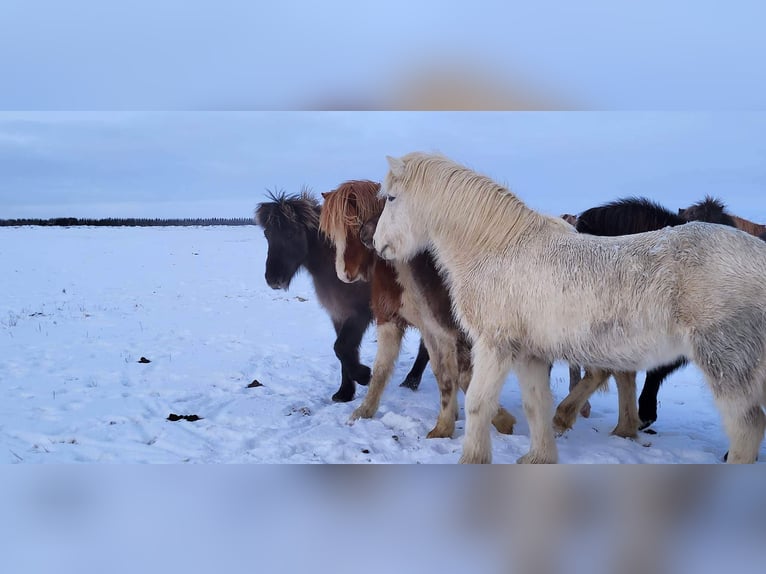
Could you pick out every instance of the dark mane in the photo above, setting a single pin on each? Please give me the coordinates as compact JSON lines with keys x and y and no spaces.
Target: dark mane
{"x":626,"y":216}
{"x":283,"y":209}
{"x":711,"y":209}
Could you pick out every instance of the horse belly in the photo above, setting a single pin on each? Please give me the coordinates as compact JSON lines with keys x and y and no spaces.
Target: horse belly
{"x":632,"y":355}
{"x":622,"y":337}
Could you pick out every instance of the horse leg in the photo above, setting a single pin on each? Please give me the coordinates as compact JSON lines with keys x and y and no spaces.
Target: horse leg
{"x":389,"y":343}
{"x":349,"y":337}
{"x":490,"y":369}
{"x":745,"y":425}
{"x":444,"y":362}
{"x":647,"y":402}
{"x":627,"y":421}
{"x":575,"y":376}
{"x":503,"y":421}
{"x":566,"y":412}
{"x":412,"y":380}
{"x":534,"y":380}
{"x":347,"y":389}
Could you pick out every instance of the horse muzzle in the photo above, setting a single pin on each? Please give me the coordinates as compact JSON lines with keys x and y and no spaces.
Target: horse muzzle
{"x":277,"y":283}
{"x":346,"y":279}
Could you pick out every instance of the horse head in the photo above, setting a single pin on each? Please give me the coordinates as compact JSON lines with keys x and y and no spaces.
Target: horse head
{"x":569,"y":218}
{"x":367,"y":232}
{"x":288,"y":221}
{"x":711,"y":210}
{"x":343,"y":213}
{"x":400,"y":234}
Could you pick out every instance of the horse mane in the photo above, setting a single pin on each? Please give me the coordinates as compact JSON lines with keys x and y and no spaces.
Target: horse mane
{"x":300,"y":208}
{"x":626,"y":216}
{"x":336,"y":219}
{"x":496,"y":213}
{"x":711,"y":210}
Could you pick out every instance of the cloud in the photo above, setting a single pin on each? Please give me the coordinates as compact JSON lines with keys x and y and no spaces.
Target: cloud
{"x":559,"y":161}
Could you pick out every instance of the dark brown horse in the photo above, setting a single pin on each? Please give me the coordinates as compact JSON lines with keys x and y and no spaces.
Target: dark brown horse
{"x":403,"y":295}
{"x":291,"y":226}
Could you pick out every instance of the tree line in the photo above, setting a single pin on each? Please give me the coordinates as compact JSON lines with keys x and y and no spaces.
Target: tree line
{"x":126,"y":222}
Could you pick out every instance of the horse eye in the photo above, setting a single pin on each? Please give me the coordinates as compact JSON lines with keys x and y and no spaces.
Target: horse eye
{"x":390,"y":198}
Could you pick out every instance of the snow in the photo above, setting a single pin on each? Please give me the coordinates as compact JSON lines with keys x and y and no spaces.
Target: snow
{"x":81,"y":306}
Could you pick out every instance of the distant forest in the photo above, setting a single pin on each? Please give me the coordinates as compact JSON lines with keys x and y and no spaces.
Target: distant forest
{"x":125,"y":222}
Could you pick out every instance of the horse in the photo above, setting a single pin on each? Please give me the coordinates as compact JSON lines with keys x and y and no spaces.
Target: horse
{"x":530,"y":290}
{"x":403,"y":295}
{"x":623,"y":217}
{"x":570,"y":218}
{"x":713,"y":210}
{"x":291,"y":226}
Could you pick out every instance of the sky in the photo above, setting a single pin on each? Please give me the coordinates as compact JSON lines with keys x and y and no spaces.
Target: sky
{"x":294,"y":54}
{"x":220,"y":164}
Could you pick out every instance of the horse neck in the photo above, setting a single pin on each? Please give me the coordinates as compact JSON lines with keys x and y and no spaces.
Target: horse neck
{"x":321,"y":255}
{"x":462,"y":239}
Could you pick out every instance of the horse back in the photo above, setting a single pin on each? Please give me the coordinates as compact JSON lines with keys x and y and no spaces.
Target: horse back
{"x":626,"y":216}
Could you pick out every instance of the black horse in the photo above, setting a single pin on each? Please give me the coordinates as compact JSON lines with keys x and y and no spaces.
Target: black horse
{"x":291,"y":226}
{"x":637,"y":215}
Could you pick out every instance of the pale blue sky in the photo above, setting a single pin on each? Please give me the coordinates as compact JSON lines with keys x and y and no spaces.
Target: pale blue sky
{"x":241,"y":54}
{"x":220,"y":164}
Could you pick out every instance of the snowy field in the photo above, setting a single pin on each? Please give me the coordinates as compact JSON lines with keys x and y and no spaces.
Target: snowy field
{"x":80,"y":307}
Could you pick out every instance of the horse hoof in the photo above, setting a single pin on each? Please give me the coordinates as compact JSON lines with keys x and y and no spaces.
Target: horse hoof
{"x":439,"y":433}
{"x":475,"y":460}
{"x":343,"y":397}
{"x":537,"y":458}
{"x":363,"y":375}
{"x":726,"y":457}
{"x":645,"y":424}
{"x":561,"y":424}
{"x":411,"y":383}
{"x":585,"y":410}
{"x":362,"y":412}
{"x":504,"y":422}
{"x":622,"y":433}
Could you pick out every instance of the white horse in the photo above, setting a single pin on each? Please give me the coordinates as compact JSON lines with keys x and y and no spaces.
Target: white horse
{"x":530,"y":290}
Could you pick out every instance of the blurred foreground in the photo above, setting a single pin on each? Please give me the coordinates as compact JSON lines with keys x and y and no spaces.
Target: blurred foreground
{"x":382,"y":519}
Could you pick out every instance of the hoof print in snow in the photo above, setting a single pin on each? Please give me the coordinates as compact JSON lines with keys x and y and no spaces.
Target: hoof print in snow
{"x":305,"y":411}
{"x":191,"y":418}
{"x":300,"y":299}
{"x":144,"y":360}
{"x":366,"y":451}
{"x":254,"y":384}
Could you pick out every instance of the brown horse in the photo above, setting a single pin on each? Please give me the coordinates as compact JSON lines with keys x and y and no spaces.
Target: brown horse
{"x":403,"y":295}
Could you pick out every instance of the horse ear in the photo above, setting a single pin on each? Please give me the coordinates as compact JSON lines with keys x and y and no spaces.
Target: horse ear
{"x":396,"y":165}
{"x":324,"y":195}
